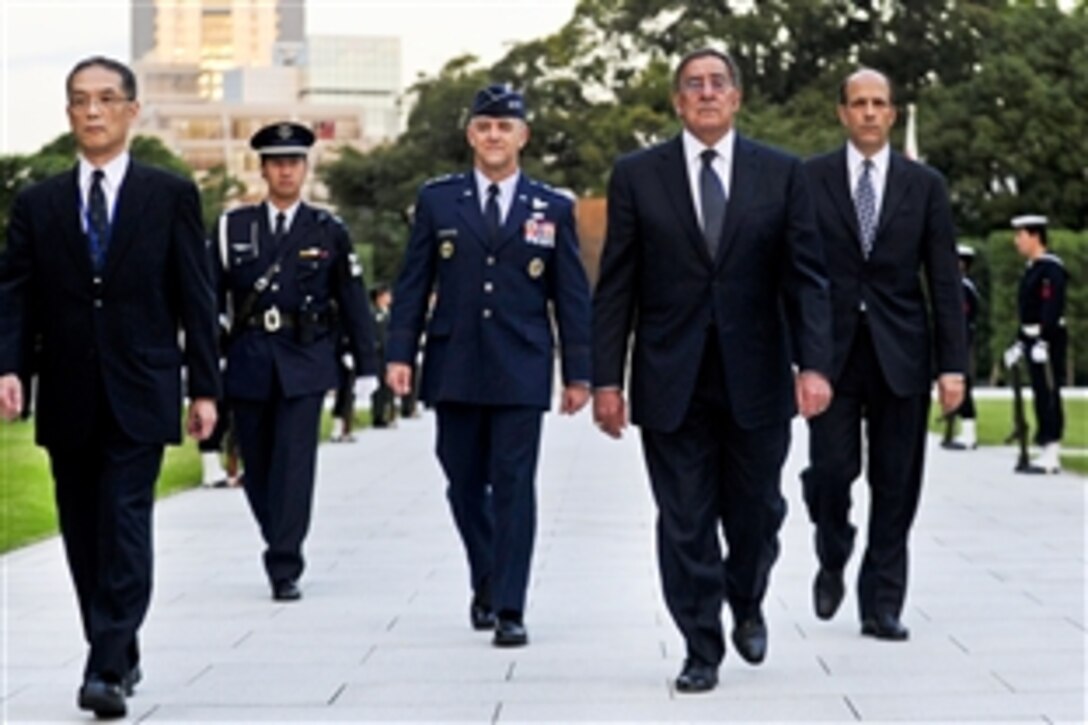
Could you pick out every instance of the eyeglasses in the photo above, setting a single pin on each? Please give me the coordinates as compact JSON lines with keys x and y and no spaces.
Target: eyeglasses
{"x":108,"y":102}
{"x":717,"y":83}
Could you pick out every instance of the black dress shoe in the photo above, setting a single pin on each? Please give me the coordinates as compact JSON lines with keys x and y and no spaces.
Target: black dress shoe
{"x":827,"y":593}
{"x":886,"y":627}
{"x":481,"y":615}
{"x":131,"y":679}
{"x":286,"y":591}
{"x":510,"y":632}
{"x":697,"y":677}
{"x":750,"y":639}
{"x":105,"y":699}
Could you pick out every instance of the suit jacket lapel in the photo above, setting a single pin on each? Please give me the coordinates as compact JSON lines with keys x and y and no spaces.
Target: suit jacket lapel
{"x":742,"y":184}
{"x":837,"y":181}
{"x":674,"y":177}
{"x":131,"y":198}
{"x":67,"y":205}
{"x":895,"y":190}
{"x":468,"y":208}
{"x":519,"y":212}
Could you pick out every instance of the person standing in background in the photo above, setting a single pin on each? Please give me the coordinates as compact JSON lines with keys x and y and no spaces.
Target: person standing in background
{"x":1042,"y":338}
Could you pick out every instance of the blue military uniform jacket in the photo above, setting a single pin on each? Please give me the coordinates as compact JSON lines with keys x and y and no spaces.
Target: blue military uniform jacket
{"x":319,"y":280}
{"x":489,"y":337}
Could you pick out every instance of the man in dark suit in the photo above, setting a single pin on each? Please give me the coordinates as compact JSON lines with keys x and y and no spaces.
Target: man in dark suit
{"x":712,"y":259}
{"x":886,"y":224}
{"x":501,"y":249}
{"x":105,"y":265}
{"x":287,"y":275}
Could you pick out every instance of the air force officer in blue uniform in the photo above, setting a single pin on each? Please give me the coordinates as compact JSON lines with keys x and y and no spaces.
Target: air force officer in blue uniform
{"x":288,"y":280}
{"x":496,"y":248}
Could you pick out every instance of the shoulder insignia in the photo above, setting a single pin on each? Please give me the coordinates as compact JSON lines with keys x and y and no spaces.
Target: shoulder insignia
{"x":443,"y":179}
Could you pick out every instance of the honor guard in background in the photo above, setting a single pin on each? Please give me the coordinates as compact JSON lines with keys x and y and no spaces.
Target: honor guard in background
{"x":283,"y":268}
{"x":500,"y":248}
{"x":968,"y":439}
{"x":1042,"y":337}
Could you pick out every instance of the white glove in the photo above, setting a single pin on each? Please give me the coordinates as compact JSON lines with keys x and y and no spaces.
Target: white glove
{"x":365,"y":387}
{"x":1039,"y":352}
{"x":1013,"y":355}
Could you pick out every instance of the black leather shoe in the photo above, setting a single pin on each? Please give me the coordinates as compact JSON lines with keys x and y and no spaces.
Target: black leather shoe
{"x":750,"y":639}
{"x":886,"y":627}
{"x":827,"y":593}
{"x":697,"y":677}
{"x":481,"y":615}
{"x":286,"y":591}
{"x":105,"y":699}
{"x":510,"y":632}
{"x":131,"y":679}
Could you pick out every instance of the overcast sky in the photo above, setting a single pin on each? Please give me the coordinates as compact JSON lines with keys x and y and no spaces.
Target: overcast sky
{"x":41,"y":39}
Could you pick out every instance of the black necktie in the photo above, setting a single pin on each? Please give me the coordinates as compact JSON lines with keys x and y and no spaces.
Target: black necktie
{"x":98,"y":220}
{"x":281,"y":227}
{"x":491,"y":212}
{"x":712,"y":196}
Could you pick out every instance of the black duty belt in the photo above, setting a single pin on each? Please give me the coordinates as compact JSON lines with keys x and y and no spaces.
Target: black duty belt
{"x":273,"y":319}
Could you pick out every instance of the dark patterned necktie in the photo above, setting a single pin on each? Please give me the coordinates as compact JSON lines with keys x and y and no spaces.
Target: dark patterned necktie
{"x":712,"y":196}
{"x":98,"y":220}
{"x":491,"y":212}
{"x":865,"y":203}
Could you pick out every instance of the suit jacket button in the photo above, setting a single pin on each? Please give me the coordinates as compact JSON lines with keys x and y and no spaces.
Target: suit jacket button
{"x":491,"y":261}
{"x":487,"y":314}
{"x":488,"y":287}
{"x":98,"y":303}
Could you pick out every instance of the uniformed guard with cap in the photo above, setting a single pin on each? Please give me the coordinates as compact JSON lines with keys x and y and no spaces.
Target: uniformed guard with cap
{"x":288,"y":282}
{"x":498,"y":248}
{"x":972,"y":303}
{"x":1042,"y":337}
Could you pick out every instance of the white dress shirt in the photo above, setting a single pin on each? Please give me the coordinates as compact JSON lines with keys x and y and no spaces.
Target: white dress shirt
{"x":722,"y":165}
{"x":507,"y":187}
{"x":288,"y":215}
{"x":855,"y":161}
{"x":114,"y":175}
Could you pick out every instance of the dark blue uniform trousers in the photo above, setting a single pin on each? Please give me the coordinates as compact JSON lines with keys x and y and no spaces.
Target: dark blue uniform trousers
{"x":707,"y":476}
{"x":105,"y":488}
{"x":489,"y":454}
{"x":278,"y":442}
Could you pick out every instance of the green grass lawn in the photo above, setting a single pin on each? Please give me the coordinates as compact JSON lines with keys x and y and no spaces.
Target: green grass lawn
{"x":995,"y":424}
{"x":27,"y":511}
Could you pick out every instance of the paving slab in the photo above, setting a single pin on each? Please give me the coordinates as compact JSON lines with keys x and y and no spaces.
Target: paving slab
{"x":996,"y":608}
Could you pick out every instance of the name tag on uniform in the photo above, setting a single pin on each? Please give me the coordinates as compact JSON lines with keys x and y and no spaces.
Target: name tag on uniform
{"x":540,"y":233}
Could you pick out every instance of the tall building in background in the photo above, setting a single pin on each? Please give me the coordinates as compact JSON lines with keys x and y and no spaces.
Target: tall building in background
{"x":211,"y":72}
{"x":354,"y":70}
{"x":214,"y":35}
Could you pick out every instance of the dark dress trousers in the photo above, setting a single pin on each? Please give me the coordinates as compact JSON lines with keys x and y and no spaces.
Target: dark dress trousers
{"x":1041,"y":304}
{"x":711,"y":382}
{"x":110,"y":390}
{"x":883,"y":367}
{"x":277,"y":377}
{"x":490,"y":357}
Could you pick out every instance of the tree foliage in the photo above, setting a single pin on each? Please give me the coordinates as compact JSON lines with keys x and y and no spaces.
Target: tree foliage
{"x":999,"y":85}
